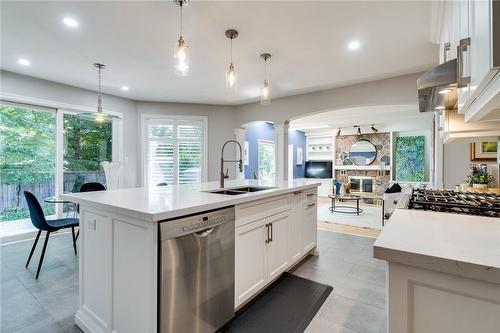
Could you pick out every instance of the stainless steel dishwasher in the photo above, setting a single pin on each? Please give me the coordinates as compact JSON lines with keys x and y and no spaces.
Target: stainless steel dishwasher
{"x":196,"y":272}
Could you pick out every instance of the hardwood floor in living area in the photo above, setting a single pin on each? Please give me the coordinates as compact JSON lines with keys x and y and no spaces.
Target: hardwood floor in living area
{"x":357,"y":303}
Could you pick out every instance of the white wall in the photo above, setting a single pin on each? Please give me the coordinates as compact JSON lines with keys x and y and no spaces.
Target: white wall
{"x":456,"y":164}
{"x":57,"y":94}
{"x":221,"y":125}
{"x":399,"y":90}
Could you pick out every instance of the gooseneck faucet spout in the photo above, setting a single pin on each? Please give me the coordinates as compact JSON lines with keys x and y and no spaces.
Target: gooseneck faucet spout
{"x":240,"y":162}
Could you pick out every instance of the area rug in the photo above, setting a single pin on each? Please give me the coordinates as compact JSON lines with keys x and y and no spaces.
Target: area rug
{"x":288,"y":306}
{"x":371,"y":217}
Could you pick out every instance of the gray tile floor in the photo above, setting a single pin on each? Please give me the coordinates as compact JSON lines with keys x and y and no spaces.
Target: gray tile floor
{"x":357,"y":303}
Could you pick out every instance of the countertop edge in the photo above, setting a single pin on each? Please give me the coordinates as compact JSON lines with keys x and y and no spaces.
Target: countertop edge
{"x":439,"y":264}
{"x":155,"y":217}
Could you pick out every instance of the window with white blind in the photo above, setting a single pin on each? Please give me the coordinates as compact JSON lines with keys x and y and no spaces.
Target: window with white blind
{"x":175,"y":149}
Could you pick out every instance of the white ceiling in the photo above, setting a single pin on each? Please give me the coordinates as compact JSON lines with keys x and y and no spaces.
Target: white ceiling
{"x":308,"y":42}
{"x":384,"y":118}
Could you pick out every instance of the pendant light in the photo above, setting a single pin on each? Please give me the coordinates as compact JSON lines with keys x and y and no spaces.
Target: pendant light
{"x":98,"y":116}
{"x":180,"y":51}
{"x":265,"y":98}
{"x":231,"y":72}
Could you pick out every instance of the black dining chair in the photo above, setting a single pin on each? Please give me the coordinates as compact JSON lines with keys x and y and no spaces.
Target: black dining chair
{"x":39,"y":221}
{"x":89,"y":187}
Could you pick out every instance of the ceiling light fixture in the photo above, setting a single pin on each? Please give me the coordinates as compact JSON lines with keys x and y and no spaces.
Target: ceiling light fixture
{"x":72,"y":23}
{"x":124,"y":88}
{"x":374,"y":130}
{"x":98,"y":116}
{"x":338,"y":133}
{"x":231,"y":72}
{"x":24,"y":62}
{"x":359,"y":129}
{"x":180,"y":50}
{"x":354,"y":45}
{"x":445,"y":91}
{"x":265,"y":98}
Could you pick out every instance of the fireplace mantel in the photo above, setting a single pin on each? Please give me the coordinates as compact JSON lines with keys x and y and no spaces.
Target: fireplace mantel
{"x":361,"y":167}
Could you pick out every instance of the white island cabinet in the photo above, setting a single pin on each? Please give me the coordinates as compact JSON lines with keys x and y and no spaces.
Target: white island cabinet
{"x":443,"y":272}
{"x":119,"y":236}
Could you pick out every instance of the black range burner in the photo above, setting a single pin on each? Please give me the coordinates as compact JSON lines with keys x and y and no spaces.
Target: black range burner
{"x":483,"y":204}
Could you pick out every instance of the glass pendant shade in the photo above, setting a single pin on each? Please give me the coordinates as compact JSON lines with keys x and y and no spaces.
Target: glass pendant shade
{"x":265,"y":94}
{"x":231,"y":72}
{"x":231,"y":77}
{"x":181,"y":58}
{"x":98,"y":116}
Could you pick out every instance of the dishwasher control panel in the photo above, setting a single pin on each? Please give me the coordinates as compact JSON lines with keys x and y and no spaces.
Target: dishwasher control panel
{"x":194,"y":223}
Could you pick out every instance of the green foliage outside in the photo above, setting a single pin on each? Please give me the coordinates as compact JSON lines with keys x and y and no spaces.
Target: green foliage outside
{"x":266,"y":160}
{"x":28,"y":151}
{"x":410,"y":158}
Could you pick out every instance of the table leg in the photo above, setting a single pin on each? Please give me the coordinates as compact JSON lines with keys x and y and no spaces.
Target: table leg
{"x":357,"y":206}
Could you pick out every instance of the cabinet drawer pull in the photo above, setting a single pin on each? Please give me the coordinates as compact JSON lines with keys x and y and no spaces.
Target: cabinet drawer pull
{"x":298,"y":192}
{"x":310,"y":194}
{"x":461,"y":48}
{"x":267,"y":233}
{"x":271,"y":225}
{"x":310,"y":205}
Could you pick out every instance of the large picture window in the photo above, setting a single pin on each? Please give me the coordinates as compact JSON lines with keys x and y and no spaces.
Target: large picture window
{"x":174,"y":150}
{"x":27,"y":159}
{"x":48,"y":151}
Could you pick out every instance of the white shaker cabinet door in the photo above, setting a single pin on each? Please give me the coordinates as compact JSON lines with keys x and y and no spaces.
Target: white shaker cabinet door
{"x":296,"y":217}
{"x":310,"y":226}
{"x":250,"y":260}
{"x":278,"y":259}
{"x":480,"y":54}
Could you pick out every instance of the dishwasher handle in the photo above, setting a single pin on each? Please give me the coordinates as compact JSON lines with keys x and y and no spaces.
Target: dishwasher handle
{"x":205,"y":233}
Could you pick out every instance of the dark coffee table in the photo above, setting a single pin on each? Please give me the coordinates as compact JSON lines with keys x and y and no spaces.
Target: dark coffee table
{"x":344,"y":208}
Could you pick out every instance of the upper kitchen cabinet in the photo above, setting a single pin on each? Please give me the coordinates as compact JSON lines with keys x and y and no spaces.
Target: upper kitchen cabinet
{"x":469,"y":31}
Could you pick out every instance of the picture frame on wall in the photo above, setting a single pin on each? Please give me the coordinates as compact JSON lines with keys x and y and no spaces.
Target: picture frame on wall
{"x":245,"y":153}
{"x":300,"y":156}
{"x":485,"y":151}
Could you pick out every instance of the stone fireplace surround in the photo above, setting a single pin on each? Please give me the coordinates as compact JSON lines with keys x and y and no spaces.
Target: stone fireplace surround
{"x":382,"y":142}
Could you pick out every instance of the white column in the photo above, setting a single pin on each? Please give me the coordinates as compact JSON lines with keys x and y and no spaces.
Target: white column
{"x":239,"y":135}
{"x":281,"y":149}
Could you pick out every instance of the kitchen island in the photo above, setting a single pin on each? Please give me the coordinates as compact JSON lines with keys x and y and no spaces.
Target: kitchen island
{"x":443,"y":272}
{"x":121,"y":233}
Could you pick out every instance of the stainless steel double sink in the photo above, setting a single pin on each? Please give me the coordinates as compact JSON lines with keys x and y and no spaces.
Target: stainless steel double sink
{"x":240,"y":190}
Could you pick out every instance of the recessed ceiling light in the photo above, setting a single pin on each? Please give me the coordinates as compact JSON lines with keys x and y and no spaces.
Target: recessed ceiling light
{"x":440,"y":107}
{"x":445,"y":91}
{"x":124,"y":88}
{"x":24,"y":62}
{"x":72,"y":23}
{"x":354,"y":45}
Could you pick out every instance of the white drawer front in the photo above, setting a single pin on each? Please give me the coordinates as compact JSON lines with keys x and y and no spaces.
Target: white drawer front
{"x":252,"y":211}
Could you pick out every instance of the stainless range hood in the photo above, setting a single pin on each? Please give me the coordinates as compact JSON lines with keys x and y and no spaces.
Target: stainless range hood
{"x":437,"y":88}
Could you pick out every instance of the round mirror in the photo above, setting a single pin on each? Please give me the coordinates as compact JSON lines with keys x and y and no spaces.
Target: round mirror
{"x":362,"y":152}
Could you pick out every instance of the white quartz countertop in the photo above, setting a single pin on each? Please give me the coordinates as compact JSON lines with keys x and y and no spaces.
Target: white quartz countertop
{"x":166,"y":202}
{"x":452,"y":243}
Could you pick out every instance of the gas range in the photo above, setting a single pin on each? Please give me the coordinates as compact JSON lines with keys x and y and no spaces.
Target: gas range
{"x":449,"y":201}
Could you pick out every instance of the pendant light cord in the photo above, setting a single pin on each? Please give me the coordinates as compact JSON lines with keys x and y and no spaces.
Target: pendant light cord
{"x":99,"y":95}
{"x":231,"y":50}
{"x":265,"y":70}
{"x":180,"y":20}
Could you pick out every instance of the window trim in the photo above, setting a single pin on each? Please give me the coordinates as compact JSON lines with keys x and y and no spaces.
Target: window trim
{"x":145,"y":118}
{"x":59,"y":108}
